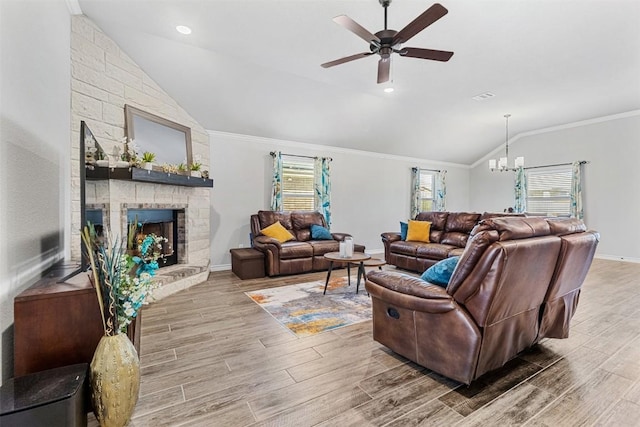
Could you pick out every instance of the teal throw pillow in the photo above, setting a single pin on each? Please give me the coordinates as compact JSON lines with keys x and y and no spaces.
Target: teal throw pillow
{"x":440,"y":272}
{"x":318,"y":232}
{"x":404,"y":227}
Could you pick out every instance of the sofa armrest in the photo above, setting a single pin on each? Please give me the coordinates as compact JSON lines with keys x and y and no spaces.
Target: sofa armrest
{"x":390,"y":236}
{"x":264,"y":241}
{"x":409,"y":292}
{"x":340,"y":236}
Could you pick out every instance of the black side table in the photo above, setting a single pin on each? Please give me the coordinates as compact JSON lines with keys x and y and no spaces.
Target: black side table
{"x":55,"y":397}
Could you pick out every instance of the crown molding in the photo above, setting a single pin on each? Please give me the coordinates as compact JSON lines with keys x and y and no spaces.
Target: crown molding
{"x":324,"y":148}
{"x":74,"y":7}
{"x":555,"y":129}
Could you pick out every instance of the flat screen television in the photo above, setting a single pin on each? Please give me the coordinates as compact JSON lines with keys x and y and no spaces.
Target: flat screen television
{"x":85,"y":134}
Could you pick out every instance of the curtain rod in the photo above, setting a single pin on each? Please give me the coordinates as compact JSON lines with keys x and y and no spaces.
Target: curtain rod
{"x":428,"y":170}
{"x":273,"y":154}
{"x":582,"y":162}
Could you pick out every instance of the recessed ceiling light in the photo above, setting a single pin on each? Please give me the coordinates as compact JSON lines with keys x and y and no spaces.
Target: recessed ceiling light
{"x":183,"y":29}
{"x":388,"y":89}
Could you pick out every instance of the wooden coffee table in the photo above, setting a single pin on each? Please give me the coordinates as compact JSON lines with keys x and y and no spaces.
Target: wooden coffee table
{"x":357,"y":258}
{"x":371,"y":262}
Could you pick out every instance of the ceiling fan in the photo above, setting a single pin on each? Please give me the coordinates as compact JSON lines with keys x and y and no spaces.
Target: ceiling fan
{"x":386,"y":42}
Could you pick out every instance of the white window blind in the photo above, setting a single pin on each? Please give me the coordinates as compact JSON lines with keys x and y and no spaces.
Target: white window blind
{"x":426,"y":191}
{"x":297,"y":183}
{"x":548,"y":191}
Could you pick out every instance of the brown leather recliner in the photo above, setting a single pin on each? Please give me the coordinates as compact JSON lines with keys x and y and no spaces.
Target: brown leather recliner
{"x":517,"y":281}
{"x":301,"y":255}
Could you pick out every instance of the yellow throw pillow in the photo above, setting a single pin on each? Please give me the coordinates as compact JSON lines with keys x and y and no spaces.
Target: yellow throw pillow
{"x":418,"y":231}
{"x":278,"y":232}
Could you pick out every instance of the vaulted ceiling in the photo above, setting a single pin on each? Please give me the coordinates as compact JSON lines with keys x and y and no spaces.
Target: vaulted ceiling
{"x":253,"y":67}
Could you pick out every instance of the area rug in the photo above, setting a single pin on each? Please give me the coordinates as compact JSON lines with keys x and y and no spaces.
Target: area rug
{"x":304,"y":311}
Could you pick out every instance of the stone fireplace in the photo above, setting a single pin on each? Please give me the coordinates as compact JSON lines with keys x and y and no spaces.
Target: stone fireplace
{"x":177,"y":212}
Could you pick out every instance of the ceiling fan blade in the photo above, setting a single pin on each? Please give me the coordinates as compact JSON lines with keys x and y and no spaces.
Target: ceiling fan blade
{"x":427,"y":18}
{"x":346,"y":59}
{"x":435,"y":55}
{"x":384,"y":65}
{"x":356,"y":28}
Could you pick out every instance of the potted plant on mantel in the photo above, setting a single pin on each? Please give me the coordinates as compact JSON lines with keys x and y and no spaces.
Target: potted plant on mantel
{"x":147,"y":160}
{"x":195,"y":169}
{"x":123,"y":283}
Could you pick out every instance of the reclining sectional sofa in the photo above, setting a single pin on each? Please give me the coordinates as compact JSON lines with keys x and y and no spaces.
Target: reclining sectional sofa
{"x":301,"y":255}
{"x":448,"y":237}
{"x":517,"y":281}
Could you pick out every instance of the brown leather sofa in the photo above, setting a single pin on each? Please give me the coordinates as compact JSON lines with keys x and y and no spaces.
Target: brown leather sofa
{"x":448,"y":237}
{"x":301,"y":255}
{"x":517,"y":281}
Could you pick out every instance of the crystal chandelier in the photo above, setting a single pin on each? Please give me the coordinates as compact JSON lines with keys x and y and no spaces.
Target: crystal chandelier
{"x":502,"y":164}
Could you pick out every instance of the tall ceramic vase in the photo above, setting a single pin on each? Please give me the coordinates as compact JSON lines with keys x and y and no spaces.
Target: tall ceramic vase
{"x":115,"y":380}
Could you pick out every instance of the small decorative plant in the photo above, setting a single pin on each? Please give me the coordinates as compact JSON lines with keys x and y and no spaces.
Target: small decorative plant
{"x":182,"y":168}
{"x":195,"y":166}
{"x":148,"y":157}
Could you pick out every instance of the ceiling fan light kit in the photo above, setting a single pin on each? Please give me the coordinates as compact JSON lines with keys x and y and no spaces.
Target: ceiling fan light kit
{"x":502,"y":165}
{"x":387,"y":41}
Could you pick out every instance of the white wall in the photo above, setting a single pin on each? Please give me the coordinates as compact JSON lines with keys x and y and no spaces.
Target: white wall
{"x":611,"y":181}
{"x":370,"y":192}
{"x":34,"y":149}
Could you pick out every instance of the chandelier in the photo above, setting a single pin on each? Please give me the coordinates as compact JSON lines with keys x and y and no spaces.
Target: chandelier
{"x":502,"y":164}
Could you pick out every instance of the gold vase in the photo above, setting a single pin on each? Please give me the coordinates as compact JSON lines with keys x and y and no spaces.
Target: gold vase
{"x":115,"y":380}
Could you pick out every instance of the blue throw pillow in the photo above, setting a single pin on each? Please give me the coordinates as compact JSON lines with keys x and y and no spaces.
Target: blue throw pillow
{"x":440,"y":272}
{"x":318,"y":232}
{"x":403,"y":230}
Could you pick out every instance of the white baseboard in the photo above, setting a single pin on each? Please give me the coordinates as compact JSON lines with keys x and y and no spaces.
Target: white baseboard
{"x":220,"y":267}
{"x":618,"y":258}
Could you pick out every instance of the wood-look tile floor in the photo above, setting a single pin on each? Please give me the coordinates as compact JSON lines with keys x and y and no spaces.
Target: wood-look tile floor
{"x":211,"y":357}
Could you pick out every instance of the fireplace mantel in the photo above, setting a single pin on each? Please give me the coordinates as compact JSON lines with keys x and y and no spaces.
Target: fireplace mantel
{"x":143,"y":175}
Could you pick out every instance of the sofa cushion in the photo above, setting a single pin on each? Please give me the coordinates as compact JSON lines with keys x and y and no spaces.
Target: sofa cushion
{"x":278,"y":232}
{"x":438,"y":221}
{"x":293,"y":249}
{"x":418,"y":231}
{"x":440,"y":273}
{"x":318,"y":232}
{"x":302,"y":221}
{"x":405,"y":248}
{"x":404,"y":227}
{"x":564,"y":226}
{"x":434,"y":250}
{"x":270,"y":217}
{"x":520,"y":228}
{"x":321,"y":247}
{"x":455,"y":238}
{"x":462,"y":222}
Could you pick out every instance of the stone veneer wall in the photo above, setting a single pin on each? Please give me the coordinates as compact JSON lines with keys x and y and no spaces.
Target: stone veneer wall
{"x":103,"y":80}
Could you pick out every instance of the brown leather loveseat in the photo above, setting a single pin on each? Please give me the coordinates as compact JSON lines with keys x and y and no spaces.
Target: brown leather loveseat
{"x":517,"y":281}
{"x":301,"y":255}
{"x":448,"y":236}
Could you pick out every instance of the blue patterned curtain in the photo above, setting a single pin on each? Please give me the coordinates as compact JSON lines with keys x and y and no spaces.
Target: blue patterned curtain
{"x":415,"y":193}
{"x":520,"y":190}
{"x":439,"y":199}
{"x":322,"y":187}
{"x":576,"y":191}
{"x":276,"y":191}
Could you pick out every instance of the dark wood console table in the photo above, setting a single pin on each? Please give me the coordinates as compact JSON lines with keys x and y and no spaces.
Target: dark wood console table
{"x":58,"y":324}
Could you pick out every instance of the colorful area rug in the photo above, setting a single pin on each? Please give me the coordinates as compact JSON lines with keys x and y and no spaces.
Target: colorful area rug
{"x":305,"y":311}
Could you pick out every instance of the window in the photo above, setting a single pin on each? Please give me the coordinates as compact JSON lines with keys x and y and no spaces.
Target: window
{"x":297,"y":183}
{"x":426,"y":191}
{"x":549,"y":191}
